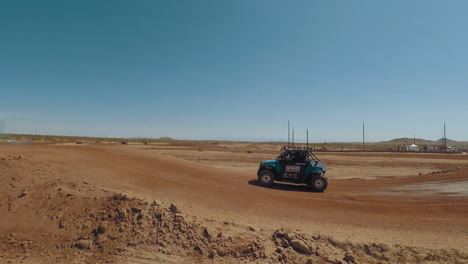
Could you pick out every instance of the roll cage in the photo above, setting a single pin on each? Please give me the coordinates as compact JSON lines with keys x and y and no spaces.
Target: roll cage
{"x":298,"y":155}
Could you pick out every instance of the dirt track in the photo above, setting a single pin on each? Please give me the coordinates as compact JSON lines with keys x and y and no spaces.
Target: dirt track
{"x":376,"y":204}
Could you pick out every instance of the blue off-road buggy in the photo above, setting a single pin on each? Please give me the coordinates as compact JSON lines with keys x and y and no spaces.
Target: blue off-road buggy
{"x":298,"y":166}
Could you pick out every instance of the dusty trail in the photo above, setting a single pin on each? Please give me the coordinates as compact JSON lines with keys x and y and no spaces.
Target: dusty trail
{"x":359,"y":210}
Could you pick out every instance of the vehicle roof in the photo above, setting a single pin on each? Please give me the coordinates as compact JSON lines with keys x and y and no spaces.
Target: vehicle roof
{"x":293,"y":149}
{"x":297,"y":150}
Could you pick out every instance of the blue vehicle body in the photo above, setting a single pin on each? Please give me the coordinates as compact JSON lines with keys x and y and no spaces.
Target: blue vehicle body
{"x":296,"y":166}
{"x":311,"y":167}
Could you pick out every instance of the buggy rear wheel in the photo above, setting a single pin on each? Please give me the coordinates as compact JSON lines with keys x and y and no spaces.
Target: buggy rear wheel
{"x":266,"y":178}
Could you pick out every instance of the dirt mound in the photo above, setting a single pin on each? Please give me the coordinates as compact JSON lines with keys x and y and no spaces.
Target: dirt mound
{"x":50,"y":217}
{"x":328,"y":250}
{"x":117,"y":228}
{"x":120,"y":222}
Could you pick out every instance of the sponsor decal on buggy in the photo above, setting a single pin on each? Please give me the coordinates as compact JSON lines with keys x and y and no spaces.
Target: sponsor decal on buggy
{"x":293,"y":168}
{"x":290,"y":175}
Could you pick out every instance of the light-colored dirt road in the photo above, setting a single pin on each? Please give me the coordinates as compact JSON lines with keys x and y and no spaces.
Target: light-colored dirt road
{"x":382,"y":209}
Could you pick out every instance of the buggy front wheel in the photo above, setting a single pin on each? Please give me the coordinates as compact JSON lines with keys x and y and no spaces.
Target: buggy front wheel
{"x":266,"y":178}
{"x":318,"y":183}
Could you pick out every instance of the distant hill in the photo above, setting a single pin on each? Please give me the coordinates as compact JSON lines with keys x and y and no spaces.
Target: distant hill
{"x":450,"y":142}
{"x":418,"y":141}
{"x":421,"y":141}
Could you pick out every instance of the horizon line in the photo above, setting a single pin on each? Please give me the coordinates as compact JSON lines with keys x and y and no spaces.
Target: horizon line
{"x":256,"y":140}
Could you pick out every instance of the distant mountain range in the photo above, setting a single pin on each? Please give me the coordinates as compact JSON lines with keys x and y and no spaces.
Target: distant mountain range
{"x":420,"y":141}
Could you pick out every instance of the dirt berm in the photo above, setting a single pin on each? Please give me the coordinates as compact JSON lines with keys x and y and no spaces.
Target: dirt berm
{"x":119,"y":229}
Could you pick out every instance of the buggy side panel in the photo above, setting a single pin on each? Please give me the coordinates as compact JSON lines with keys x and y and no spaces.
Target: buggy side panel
{"x":275,"y":167}
{"x":311,"y":169}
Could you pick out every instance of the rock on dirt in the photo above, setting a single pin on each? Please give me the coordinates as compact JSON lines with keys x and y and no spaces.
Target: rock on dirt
{"x":85,"y":244}
{"x":101,"y":239}
{"x":300,"y":246}
{"x":23,"y":193}
{"x":157,"y":203}
{"x":102,"y":228}
{"x":349,"y":258}
{"x":283,"y":242}
{"x":174,"y":209}
{"x":290,"y":236}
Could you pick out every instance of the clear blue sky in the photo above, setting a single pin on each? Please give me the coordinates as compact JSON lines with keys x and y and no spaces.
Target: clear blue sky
{"x":235,"y":69}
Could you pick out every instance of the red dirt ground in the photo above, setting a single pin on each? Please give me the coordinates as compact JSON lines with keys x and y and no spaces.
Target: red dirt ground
{"x":370,"y":198}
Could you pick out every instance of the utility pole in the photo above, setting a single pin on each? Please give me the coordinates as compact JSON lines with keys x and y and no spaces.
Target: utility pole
{"x":288,"y":133}
{"x":445,"y":137}
{"x":293,"y":139}
{"x":363,"y":138}
{"x":307,"y":144}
